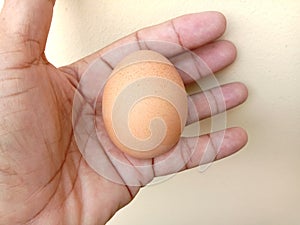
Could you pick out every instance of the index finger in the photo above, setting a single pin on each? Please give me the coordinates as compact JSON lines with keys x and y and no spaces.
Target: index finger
{"x":189,"y":31}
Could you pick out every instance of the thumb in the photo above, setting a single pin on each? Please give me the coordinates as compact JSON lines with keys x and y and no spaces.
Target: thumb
{"x":27,"y":20}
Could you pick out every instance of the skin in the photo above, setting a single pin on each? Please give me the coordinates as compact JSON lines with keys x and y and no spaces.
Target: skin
{"x":43,"y":177}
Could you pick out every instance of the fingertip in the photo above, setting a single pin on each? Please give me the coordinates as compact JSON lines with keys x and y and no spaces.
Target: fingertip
{"x":219,"y":19}
{"x":198,"y":29}
{"x":241,"y":135}
{"x":243,"y":90}
{"x":218,"y":54}
{"x":234,"y":94}
{"x":231,"y":50}
{"x":240,"y":91}
{"x":239,"y":138}
{"x":220,"y":16}
{"x":235,"y":139}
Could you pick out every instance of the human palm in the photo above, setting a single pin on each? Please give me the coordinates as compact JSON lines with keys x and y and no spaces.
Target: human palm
{"x":44,"y":178}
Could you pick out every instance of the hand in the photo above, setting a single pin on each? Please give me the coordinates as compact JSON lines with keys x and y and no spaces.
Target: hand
{"x":44,"y":178}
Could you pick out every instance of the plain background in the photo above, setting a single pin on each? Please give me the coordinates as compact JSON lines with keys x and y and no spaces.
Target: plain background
{"x":260,"y":184}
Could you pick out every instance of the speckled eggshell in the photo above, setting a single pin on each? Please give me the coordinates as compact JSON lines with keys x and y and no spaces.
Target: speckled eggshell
{"x":139,"y":66}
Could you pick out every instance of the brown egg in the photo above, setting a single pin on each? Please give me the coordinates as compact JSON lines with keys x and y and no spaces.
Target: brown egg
{"x":144,"y":105}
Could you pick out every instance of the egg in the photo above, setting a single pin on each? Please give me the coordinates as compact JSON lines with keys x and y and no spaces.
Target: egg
{"x":144,"y":105}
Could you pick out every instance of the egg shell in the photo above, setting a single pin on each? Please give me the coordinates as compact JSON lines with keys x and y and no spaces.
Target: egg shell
{"x":136,"y":66}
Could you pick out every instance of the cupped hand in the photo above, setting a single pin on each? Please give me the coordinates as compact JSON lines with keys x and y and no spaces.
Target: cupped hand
{"x":44,"y":178}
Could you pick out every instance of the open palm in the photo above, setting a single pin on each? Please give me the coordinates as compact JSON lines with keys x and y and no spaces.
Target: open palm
{"x":44,"y":178}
